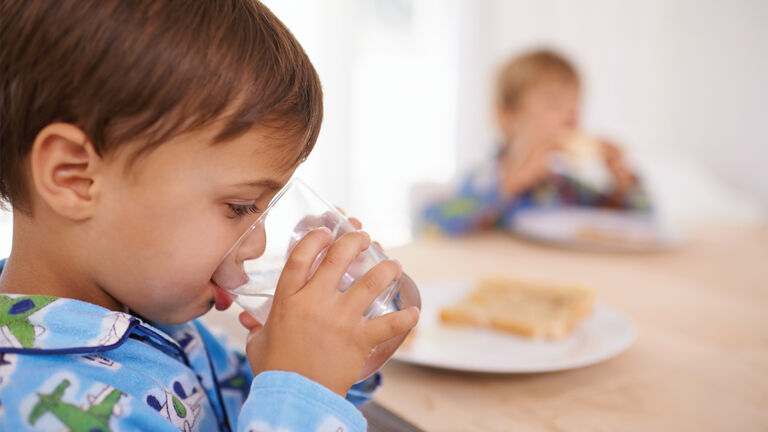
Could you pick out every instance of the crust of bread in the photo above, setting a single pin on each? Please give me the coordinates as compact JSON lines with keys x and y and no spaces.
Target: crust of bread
{"x":530,"y":309}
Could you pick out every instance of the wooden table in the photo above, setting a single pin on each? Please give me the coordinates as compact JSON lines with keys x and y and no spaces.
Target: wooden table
{"x":700,"y":361}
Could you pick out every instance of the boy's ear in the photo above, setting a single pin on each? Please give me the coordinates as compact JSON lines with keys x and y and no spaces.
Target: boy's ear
{"x":64,"y":165}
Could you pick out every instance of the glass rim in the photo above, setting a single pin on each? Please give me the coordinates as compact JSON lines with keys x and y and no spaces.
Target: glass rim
{"x":260,"y":220}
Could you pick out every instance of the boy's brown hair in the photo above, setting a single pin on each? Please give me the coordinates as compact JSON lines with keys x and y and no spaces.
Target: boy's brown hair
{"x":523,"y":72}
{"x":147,"y":70}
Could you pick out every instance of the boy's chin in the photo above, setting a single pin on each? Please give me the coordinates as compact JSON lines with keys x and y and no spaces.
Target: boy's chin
{"x":180,"y":315}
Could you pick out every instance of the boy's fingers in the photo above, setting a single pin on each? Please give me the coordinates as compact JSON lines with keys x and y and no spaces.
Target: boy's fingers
{"x":355,"y":222}
{"x":339,"y":257}
{"x":358,"y":226}
{"x":370,"y":286}
{"x":387,"y":326}
{"x":308,"y":223}
{"x":249,"y":322}
{"x":296,"y":270}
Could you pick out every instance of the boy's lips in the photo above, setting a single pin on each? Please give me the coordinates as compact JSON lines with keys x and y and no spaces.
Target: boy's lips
{"x":222,"y":298}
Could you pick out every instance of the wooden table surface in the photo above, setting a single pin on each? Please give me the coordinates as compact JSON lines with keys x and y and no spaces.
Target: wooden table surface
{"x":700,"y":361}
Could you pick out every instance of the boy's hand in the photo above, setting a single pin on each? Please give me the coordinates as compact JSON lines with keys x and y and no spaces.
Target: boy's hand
{"x":316,"y":330}
{"x":517,"y":177}
{"x":357,"y":224}
{"x":623,"y":177}
{"x":251,"y":323}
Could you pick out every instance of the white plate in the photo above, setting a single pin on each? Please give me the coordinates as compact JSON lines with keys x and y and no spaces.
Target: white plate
{"x":612,"y":230}
{"x":602,"y":335}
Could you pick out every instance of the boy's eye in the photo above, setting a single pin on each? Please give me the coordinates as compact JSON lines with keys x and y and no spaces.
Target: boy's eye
{"x":243,"y":209}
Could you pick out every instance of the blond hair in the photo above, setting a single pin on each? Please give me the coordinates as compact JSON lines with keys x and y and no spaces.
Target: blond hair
{"x":523,"y":72}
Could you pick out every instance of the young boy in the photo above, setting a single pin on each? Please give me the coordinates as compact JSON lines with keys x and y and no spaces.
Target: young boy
{"x":139,"y":140}
{"x":538,"y":115}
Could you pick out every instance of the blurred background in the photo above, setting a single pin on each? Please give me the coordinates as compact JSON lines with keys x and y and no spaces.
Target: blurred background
{"x":681,"y":85}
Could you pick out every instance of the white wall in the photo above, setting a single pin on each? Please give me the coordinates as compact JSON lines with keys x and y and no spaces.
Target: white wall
{"x":389,"y":76}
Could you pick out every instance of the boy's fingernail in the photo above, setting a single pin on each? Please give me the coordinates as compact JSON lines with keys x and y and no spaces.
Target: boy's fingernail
{"x":368,"y":236}
{"x":323,"y":228}
{"x":396,"y":261}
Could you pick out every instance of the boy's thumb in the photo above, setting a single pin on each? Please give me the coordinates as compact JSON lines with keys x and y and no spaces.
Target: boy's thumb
{"x":249,"y":322}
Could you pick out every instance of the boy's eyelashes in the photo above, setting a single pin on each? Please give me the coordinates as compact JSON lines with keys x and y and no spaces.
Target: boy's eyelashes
{"x":239,"y":210}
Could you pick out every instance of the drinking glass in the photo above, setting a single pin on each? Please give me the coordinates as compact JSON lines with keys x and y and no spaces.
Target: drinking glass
{"x":251,"y":268}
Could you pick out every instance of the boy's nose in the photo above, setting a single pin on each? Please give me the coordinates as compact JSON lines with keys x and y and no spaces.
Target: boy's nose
{"x":231,"y":272}
{"x":253,"y":244}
